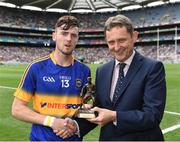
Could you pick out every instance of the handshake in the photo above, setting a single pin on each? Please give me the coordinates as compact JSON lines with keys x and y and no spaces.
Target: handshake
{"x":61,"y":127}
{"x":67,"y":127}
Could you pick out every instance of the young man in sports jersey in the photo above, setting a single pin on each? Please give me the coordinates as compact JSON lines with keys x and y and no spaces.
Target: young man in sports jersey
{"x":53,"y":83}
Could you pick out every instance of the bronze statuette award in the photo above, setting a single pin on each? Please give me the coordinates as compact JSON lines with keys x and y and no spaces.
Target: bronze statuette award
{"x":87,"y":95}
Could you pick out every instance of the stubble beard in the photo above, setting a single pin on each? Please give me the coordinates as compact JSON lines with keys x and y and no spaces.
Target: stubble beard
{"x":65,"y":53}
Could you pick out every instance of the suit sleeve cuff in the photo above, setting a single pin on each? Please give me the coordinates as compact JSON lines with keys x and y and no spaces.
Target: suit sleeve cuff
{"x":115,"y":120}
{"x":78,"y":130}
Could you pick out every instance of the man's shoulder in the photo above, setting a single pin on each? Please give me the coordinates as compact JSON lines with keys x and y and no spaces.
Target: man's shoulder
{"x":106,"y":65}
{"x":151,"y":61}
{"x":148,"y":60}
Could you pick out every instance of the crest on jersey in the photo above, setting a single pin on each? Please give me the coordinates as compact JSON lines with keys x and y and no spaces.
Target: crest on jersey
{"x":78,"y":82}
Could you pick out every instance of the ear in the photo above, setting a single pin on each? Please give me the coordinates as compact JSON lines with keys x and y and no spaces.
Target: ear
{"x":135,"y":36}
{"x":54,"y":36}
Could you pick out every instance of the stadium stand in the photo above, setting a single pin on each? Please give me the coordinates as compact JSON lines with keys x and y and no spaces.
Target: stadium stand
{"x":25,"y":34}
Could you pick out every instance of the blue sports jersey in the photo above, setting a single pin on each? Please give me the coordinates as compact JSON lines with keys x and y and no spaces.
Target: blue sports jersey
{"x":55,"y":91}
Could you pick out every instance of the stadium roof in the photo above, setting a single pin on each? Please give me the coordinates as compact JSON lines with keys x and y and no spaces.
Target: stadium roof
{"x":80,"y":5}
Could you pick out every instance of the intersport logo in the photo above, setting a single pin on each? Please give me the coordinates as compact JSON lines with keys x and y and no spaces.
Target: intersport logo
{"x":59,"y":105}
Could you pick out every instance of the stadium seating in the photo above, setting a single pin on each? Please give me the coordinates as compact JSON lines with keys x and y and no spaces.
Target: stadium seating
{"x":25,"y":33}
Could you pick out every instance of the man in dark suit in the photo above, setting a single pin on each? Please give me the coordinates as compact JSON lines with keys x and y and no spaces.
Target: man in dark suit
{"x":133,"y":110}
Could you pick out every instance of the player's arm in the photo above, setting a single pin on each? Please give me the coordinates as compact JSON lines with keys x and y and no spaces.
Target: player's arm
{"x":21,"y":111}
{"x":23,"y":95}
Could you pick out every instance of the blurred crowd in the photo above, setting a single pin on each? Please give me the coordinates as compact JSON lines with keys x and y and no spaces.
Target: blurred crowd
{"x":168,"y":13}
{"x":14,"y":17}
{"x":14,"y":55}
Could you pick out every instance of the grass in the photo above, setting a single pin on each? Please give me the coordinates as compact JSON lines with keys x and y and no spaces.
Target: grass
{"x":12,"y":129}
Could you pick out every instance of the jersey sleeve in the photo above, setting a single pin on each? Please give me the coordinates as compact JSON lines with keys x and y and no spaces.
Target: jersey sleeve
{"x":26,"y":86}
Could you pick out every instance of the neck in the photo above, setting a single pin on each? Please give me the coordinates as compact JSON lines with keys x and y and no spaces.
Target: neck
{"x":63,"y":60}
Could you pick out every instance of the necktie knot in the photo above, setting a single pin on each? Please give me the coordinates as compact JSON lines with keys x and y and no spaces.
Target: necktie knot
{"x":122,"y":65}
{"x":121,"y":68}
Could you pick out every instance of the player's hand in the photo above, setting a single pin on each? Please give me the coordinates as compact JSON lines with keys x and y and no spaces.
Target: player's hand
{"x":104,"y":116}
{"x":65,"y":128}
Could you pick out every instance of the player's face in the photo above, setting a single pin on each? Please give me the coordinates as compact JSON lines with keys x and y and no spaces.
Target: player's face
{"x":120,"y":42}
{"x":66,"y":40}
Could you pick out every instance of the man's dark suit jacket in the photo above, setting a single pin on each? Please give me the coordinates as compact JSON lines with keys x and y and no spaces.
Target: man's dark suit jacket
{"x":140,"y":105}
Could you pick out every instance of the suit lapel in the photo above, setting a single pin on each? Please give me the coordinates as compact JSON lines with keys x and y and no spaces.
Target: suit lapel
{"x":109,"y":73}
{"x":133,"y":69}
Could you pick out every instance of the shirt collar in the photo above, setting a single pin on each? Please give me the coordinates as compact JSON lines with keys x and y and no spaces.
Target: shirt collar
{"x":54,"y":60}
{"x":128,"y":61}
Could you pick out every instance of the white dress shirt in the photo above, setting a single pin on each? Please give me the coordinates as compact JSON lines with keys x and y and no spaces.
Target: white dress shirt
{"x":116,"y":73}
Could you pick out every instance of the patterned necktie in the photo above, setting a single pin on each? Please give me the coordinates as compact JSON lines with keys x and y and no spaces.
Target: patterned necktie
{"x":119,"y":81}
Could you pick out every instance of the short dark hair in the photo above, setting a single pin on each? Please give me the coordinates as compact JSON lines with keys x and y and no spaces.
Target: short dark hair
{"x":68,"y":21}
{"x":119,"y":20}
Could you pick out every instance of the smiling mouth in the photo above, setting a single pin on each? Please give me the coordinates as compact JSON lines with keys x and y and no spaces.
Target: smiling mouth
{"x":121,"y":50}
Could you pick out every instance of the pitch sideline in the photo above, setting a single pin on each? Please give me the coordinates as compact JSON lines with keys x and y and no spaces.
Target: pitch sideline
{"x":6,"y":87}
{"x":173,"y":113}
{"x":172,"y":128}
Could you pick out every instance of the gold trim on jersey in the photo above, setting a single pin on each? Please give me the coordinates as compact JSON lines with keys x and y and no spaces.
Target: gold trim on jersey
{"x":28,"y":67}
{"x":54,"y":60}
{"x":23,"y":95}
{"x":59,"y":106}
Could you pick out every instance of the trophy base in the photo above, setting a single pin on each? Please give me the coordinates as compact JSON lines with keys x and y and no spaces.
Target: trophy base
{"x":84,"y":113}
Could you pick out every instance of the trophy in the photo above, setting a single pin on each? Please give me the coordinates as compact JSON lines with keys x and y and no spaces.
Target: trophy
{"x":87,"y":95}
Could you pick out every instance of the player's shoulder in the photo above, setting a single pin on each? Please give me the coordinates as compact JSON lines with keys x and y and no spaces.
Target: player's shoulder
{"x":39,"y":63}
{"x":81,"y":65}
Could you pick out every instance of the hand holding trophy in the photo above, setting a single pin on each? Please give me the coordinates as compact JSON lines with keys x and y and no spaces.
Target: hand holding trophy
{"x":87,"y":95}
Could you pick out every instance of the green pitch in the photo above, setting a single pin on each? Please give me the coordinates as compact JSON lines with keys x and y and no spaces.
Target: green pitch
{"x":15,"y":130}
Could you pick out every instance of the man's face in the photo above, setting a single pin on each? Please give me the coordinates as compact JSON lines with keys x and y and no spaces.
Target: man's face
{"x":120,"y":42}
{"x":66,"y":40}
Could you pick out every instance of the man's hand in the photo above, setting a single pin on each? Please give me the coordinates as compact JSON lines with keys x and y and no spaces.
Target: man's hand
{"x":87,"y":106}
{"x":104,"y":116}
{"x":64,"y":127}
